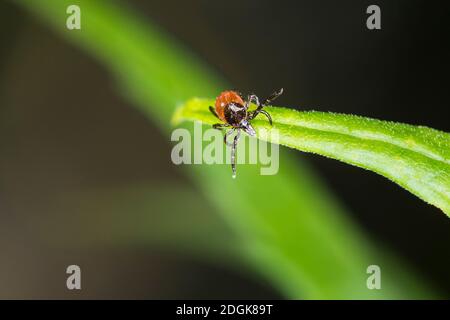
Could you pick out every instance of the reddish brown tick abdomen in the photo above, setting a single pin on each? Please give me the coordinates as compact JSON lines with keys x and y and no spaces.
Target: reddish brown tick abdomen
{"x":224,"y":99}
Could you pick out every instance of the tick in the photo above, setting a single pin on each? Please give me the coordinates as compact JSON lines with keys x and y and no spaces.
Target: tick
{"x":232,"y":110}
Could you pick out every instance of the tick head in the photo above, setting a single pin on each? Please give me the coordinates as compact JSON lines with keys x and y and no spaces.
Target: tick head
{"x":248,"y":128}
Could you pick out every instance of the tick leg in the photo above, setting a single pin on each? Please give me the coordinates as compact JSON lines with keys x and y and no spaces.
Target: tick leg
{"x":213,"y":112}
{"x":252,"y":98}
{"x":267,"y":115}
{"x":272,"y":97}
{"x":266,"y":102}
{"x":233,"y":152}
{"x":258,"y":111}
{"x":225,"y":137}
{"x":219,"y":126}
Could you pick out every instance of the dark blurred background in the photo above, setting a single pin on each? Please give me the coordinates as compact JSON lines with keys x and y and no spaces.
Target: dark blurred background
{"x":84,"y":154}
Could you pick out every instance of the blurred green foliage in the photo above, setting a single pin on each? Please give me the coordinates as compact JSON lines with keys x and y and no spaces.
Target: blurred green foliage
{"x":290,"y":229}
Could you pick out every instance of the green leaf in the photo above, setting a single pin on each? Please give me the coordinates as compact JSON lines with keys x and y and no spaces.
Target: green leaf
{"x":415,"y":157}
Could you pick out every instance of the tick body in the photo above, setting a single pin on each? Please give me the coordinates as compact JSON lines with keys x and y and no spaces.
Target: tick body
{"x":232,"y":110}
